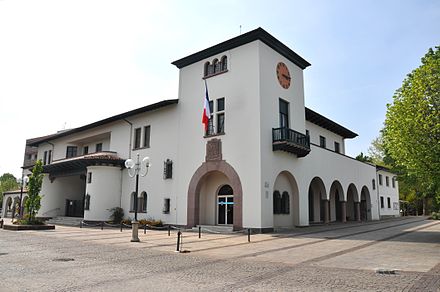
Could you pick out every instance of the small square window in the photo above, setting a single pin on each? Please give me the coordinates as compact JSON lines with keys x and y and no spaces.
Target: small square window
{"x":389,"y":203}
{"x":373,"y":183}
{"x":137,"y":138}
{"x":85,"y":150}
{"x":147,"y":133}
{"x":380,"y":179}
{"x":220,"y":123}
{"x":337,"y":147}
{"x":381,"y":202}
{"x":393,"y":182}
{"x":168,"y":169}
{"x":387,"y":181}
{"x":99,"y":147}
{"x":89,"y":177}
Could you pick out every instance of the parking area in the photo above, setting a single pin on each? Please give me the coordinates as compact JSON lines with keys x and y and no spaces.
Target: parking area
{"x":342,"y":257}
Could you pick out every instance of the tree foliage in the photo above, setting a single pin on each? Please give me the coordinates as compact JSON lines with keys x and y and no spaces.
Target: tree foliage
{"x":33,"y":203}
{"x":363,"y":158}
{"x":411,"y":135}
{"x":8,"y":182}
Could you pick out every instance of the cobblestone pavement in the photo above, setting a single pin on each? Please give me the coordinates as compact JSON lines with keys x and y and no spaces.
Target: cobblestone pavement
{"x":327,"y":258}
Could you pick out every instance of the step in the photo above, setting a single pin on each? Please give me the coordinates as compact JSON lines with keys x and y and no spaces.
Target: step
{"x":214,"y":229}
{"x":63,"y":220}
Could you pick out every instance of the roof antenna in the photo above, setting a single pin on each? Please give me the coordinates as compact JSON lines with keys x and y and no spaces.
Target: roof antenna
{"x":240,"y":28}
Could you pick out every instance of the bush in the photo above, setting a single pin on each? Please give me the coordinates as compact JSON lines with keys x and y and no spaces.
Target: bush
{"x":435,"y":215}
{"x":151,"y":222}
{"x":117,"y":215}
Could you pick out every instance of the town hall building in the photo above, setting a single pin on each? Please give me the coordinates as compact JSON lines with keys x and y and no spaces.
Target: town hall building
{"x":265,"y":160}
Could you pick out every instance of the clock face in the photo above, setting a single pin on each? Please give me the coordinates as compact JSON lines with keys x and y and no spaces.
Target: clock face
{"x":283,"y":75}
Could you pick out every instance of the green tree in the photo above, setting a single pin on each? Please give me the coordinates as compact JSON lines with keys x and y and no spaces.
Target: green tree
{"x":363,"y":158}
{"x":411,"y":135}
{"x":33,"y":203}
{"x":8,"y":182}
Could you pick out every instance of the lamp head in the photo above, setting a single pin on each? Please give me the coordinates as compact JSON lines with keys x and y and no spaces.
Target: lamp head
{"x":129,"y":163}
{"x":146,"y":161}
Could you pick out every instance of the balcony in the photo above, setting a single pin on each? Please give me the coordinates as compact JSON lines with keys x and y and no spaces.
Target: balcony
{"x":291,"y":141}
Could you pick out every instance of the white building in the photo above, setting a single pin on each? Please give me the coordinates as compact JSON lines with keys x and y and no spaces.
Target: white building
{"x":265,"y":162}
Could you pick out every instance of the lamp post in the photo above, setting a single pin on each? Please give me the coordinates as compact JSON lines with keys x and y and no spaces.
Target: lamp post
{"x":134,"y":170}
{"x":23,"y":181}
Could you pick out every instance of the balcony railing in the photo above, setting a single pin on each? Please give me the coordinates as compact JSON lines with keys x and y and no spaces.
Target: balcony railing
{"x":286,"y":139}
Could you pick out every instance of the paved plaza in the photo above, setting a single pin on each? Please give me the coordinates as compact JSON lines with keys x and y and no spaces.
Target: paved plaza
{"x":342,"y":257}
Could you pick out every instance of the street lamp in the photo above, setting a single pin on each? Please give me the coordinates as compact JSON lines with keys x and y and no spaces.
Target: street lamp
{"x":134,"y":170}
{"x":23,"y":181}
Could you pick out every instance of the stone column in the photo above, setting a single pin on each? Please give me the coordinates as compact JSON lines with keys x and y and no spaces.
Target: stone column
{"x":326,"y":211}
{"x":357,"y":209}
{"x":343,"y":211}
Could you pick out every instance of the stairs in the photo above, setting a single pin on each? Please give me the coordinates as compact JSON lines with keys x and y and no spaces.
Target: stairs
{"x":214,"y":229}
{"x":67,"y":221}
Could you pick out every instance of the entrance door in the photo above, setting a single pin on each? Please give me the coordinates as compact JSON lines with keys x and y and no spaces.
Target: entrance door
{"x":74,"y":208}
{"x":225,"y":210}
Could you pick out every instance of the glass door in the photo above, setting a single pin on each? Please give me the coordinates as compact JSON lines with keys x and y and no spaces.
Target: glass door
{"x":225,"y":210}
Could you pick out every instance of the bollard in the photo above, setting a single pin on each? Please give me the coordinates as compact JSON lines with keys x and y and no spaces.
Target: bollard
{"x":145,"y":229}
{"x":102,"y":225}
{"x":200,"y":231}
{"x":178,"y":241}
{"x":169,"y":230}
{"x":249,"y":235}
{"x":1,"y":223}
{"x":121,"y":226}
{"x":81,"y":224}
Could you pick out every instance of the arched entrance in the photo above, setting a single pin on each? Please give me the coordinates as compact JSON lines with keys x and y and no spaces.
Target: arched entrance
{"x":285,"y":201}
{"x":203,"y":195}
{"x":352,"y":203}
{"x":317,"y":200}
{"x":8,"y":207}
{"x":365,"y":206}
{"x":337,"y":204}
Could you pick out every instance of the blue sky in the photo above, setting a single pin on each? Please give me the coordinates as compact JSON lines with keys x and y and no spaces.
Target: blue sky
{"x":64,"y":64}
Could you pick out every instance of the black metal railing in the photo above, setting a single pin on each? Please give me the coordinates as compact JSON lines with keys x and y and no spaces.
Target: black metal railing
{"x":296,"y":142}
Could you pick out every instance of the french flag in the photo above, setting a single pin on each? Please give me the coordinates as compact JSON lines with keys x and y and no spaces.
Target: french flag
{"x":206,"y":110}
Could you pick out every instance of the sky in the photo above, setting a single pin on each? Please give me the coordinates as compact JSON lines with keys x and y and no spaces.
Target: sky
{"x":64,"y":64}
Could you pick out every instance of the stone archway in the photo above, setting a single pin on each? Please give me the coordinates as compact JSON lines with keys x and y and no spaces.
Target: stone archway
{"x":317,"y":201}
{"x":337,"y":203}
{"x":365,"y":205}
{"x":285,"y":197}
{"x":198,"y":178}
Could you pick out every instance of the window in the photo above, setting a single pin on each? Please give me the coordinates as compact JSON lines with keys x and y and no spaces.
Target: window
{"x":216,"y":126}
{"x":86,"y":150}
{"x":387,"y":181}
{"x":98,"y":147}
{"x":137,"y":138}
{"x":322,"y":142}
{"x":381,"y":202}
{"x":132,"y":202}
{"x":49,"y":156}
{"x":45,"y":158}
{"x":168,"y":169}
{"x":389,"y":202}
{"x":276,"y":202}
{"x":285,"y":203}
{"x":147,"y":131}
{"x":284,"y":113}
{"x":87,"y":202}
{"x":373,"y":183}
{"x":142,"y":205}
{"x":216,"y":67}
{"x":380,"y":179}
{"x":71,"y":151}
{"x":337,"y":147}
{"x":29,"y":156}
{"x":89,"y":177}
{"x":166,"y":206}
{"x":393,"y":182}
{"x":307,"y":133}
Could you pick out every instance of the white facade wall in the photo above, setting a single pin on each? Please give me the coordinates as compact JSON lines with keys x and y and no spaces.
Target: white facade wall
{"x":104,"y":191}
{"x":240,"y":143}
{"x":393,"y":209}
{"x":316,"y":131}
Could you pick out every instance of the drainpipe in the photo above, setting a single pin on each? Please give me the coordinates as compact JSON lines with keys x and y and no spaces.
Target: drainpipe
{"x":377,"y":191}
{"x":131,"y":133}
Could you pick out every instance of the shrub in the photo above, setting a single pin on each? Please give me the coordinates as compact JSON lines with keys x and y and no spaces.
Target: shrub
{"x":151,"y":222}
{"x":117,"y":215}
{"x":435,"y":215}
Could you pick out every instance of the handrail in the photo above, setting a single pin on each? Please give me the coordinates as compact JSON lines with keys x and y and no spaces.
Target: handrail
{"x":292,"y":136}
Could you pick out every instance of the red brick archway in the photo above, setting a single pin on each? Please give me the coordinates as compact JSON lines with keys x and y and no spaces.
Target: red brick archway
{"x":196,"y":183}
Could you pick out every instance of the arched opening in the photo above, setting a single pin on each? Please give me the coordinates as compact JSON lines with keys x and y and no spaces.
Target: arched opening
{"x":337,"y":206}
{"x":285,"y":200}
{"x":317,"y":200}
{"x":216,"y":66}
{"x":211,"y":181}
{"x":224,"y":62}
{"x":365,"y":205}
{"x":143,"y":202}
{"x":15,"y":207}
{"x":352,"y":203}
{"x":8,"y":208}
{"x":206,"y":69}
